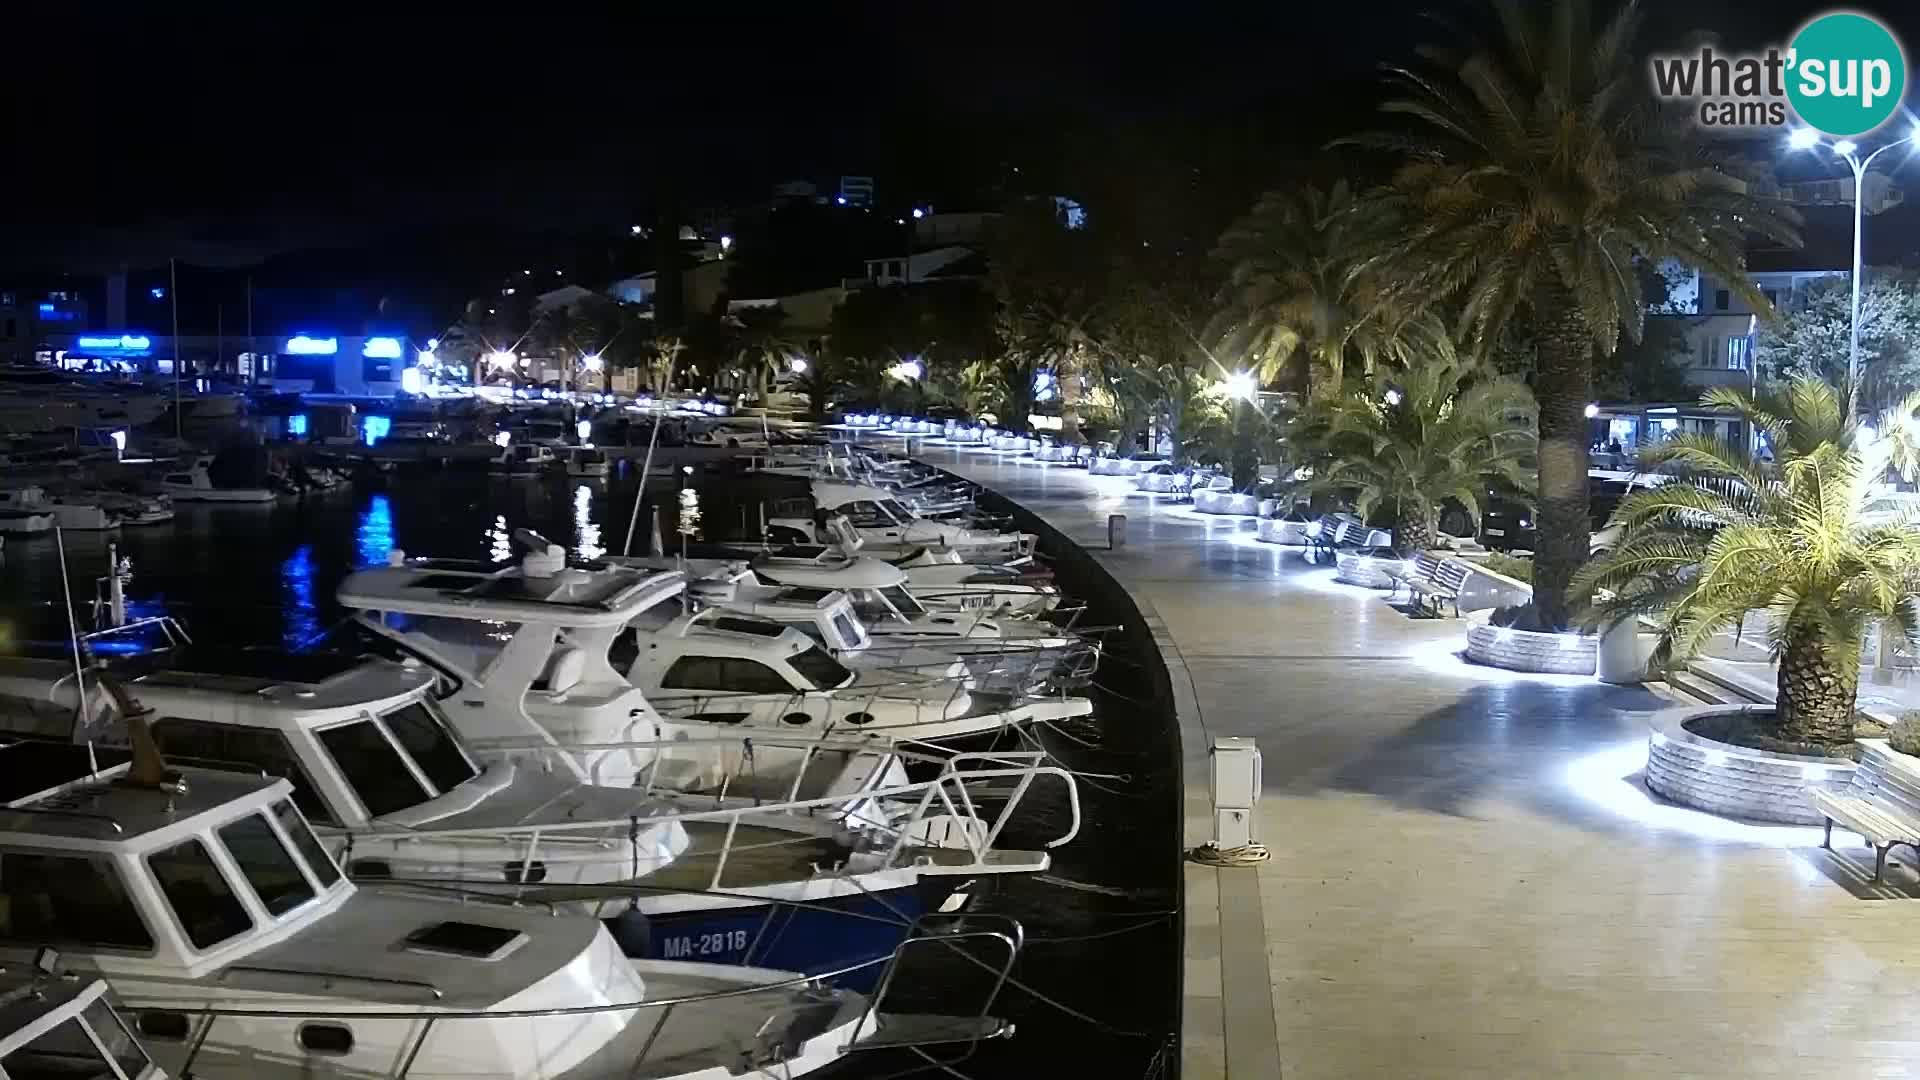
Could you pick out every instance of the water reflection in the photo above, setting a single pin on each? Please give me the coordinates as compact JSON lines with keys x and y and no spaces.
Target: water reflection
{"x":375,"y":535}
{"x":586,"y":534}
{"x":500,"y":540}
{"x":296,"y":578}
{"x":689,"y":523}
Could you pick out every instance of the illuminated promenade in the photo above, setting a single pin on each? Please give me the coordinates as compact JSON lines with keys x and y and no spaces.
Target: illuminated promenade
{"x":1467,"y":879}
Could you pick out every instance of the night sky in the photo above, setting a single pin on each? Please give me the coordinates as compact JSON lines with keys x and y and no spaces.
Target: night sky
{"x":229,"y":134}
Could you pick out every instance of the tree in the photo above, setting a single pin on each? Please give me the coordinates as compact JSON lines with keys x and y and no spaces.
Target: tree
{"x":1407,"y":440}
{"x":1300,"y":294}
{"x":762,"y":345}
{"x":1811,"y":339}
{"x":1706,"y":550}
{"x":1536,"y":169}
{"x":1043,"y":294}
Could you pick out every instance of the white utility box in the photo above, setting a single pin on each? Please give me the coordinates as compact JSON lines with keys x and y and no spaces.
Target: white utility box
{"x":1236,"y":791}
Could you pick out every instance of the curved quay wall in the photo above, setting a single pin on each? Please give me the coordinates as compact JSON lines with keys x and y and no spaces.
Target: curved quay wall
{"x":1734,"y":781}
{"x":1532,"y":651}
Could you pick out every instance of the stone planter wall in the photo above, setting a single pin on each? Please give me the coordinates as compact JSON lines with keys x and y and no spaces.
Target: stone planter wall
{"x":1365,"y":570}
{"x":1531,"y":650}
{"x":1113,"y":466}
{"x":1225,"y":502}
{"x":1276,"y":531}
{"x":1163,"y":484}
{"x":1484,"y":590}
{"x":1733,"y":781}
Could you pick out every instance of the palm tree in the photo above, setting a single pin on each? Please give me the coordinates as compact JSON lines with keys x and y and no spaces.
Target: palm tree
{"x":1791,"y":541}
{"x":1539,"y":173}
{"x":1299,"y":287}
{"x":1408,"y":440}
{"x":762,"y":345}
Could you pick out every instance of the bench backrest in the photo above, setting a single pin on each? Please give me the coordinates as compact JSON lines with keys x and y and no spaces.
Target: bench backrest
{"x":1426,"y":566}
{"x":1873,"y":779}
{"x":1451,"y":573}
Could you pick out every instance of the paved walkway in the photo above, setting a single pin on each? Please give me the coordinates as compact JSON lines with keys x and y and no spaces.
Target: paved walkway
{"x":1468,"y":881}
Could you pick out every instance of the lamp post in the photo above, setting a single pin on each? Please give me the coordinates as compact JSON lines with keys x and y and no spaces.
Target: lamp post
{"x":1805,"y":138}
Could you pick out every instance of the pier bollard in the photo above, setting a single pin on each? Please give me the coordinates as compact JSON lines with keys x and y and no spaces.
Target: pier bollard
{"x":1116,"y":531}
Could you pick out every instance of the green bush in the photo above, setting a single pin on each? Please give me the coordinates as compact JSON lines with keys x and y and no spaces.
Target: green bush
{"x":1513,"y":566}
{"x":1905,"y":735}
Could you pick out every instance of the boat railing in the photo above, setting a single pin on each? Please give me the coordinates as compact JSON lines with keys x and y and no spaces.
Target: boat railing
{"x":917,"y":810}
{"x":868,"y":1031}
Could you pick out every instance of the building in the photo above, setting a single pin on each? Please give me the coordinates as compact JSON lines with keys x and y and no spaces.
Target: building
{"x":946,"y":263}
{"x":855,"y":191}
{"x":1882,"y":193}
{"x":360,"y":366}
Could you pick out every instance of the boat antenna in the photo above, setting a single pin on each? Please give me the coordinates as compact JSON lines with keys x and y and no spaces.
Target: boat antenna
{"x":646,"y":464}
{"x":149,"y":769}
{"x":73,"y":634}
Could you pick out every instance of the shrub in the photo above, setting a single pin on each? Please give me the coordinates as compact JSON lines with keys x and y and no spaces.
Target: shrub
{"x":1519,"y":617}
{"x":1905,"y":735}
{"x":1513,"y":566}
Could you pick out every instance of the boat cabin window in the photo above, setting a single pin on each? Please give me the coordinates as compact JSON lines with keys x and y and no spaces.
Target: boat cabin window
{"x":901,"y":601}
{"x":817,"y":667}
{"x":318,"y":861}
{"x":330,"y":1040}
{"x":893,"y":509}
{"x":65,"y":1052}
{"x":48,"y":899}
{"x":222,"y":746}
{"x":850,"y":632}
{"x":724,"y":673}
{"x":427,"y":740}
{"x":266,"y":863}
{"x":199,"y":895}
{"x":373,"y":767}
{"x":865,"y":514}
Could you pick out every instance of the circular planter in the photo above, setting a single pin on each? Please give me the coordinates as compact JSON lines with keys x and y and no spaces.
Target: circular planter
{"x":1734,"y":781}
{"x":1369,"y":571}
{"x":1278,"y":531}
{"x":1531,"y":651}
{"x":1225,"y":502}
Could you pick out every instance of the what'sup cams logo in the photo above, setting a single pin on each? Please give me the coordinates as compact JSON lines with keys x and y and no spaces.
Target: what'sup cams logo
{"x":1842,"y":75}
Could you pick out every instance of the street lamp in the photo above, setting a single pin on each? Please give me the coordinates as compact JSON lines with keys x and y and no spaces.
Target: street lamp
{"x":1806,"y":138}
{"x":797,"y":365}
{"x":1240,"y":385}
{"x":591,"y":361}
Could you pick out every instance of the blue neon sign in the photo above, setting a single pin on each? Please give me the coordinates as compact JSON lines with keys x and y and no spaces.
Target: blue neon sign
{"x":381,"y":348}
{"x":297,"y":424}
{"x":375,"y":428}
{"x":302,"y":345}
{"x":119,"y":343}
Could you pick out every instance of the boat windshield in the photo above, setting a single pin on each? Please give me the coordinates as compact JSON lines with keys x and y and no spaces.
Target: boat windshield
{"x":849,"y":629}
{"x":65,"y":1050}
{"x":270,"y":869}
{"x":893,"y":509}
{"x":901,"y":601}
{"x":425,"y":737}
{"x":198,"y":893}
{"x":373,"y":767}
{"x":308,"y":845}
{"x":819,"y":668}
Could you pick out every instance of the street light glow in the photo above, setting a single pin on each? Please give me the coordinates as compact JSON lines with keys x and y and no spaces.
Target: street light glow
{"x":1803,"y":138}
{"x":501,"y":358}
{"x":1392,"y":397}
{"x":797,"y":365}
{"x":1240,"y":385}
{"x":918,"y":213}
{"x":1845,"y":147}
{"x":906,"y":369}
{"x":591,"y":361}
{"x":1592,"y":410}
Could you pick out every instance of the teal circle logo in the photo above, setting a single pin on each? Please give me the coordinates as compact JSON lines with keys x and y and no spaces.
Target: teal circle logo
{"x":1846,"y":74}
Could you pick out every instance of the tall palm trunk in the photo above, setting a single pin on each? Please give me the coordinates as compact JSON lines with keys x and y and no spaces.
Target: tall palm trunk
{"x":1412,"y":527}
{"x":1562,"y":375}
{"x":1816,"y":688}
{"x":1323,"y":372}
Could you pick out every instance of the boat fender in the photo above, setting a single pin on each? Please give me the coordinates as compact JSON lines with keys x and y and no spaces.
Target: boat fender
{"x":633,"y":931}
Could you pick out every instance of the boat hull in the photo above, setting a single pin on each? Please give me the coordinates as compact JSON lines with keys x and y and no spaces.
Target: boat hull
{"x":819,"y":936}
{"x":254,"y":496}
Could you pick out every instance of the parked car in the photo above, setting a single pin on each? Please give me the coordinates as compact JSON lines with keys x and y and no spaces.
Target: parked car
{"x":1507,"y":523}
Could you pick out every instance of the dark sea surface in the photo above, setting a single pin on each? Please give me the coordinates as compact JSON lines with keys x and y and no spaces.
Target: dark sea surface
{"x":1101,"y":926}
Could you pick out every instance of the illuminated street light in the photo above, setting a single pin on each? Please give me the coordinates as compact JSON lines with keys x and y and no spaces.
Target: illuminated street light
{"x":797,"y":365}
{"x":501,"y":358}
{"x":1592,"y":410}
{"x":1806,"y":139}
{"x":906,"y":369}
{"x":918,"y":213}
{"x":726,"y":243}
{"x":1392,"y":396}
{"x":1240,"y":385}
{"x":591,"y":361}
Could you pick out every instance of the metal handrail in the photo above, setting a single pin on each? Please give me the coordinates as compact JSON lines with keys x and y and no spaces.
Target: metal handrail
{"x":111,"y":822}
{"x":412,"y":984}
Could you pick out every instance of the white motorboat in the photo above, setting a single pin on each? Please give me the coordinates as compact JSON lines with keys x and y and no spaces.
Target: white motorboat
{"x":34,"y":398}
{"x":822,"y":884}
{"x":87,"y":510}
{"x":194,"y":484}
{"x":54,"y":1026}
{"x":129,"y":508}
{"x":523,"y":459}
{"x":930,"y":578}
{"x":219,"y":920}
{"x":877,"y":623}
{"x":882,"y":522}
{"x":25,"y":510}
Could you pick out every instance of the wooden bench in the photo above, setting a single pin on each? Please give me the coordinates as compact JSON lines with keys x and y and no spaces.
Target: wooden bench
{"x":1324,"y":535}
{"x":1884,"y":811}
{"x":1434,"y":582}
